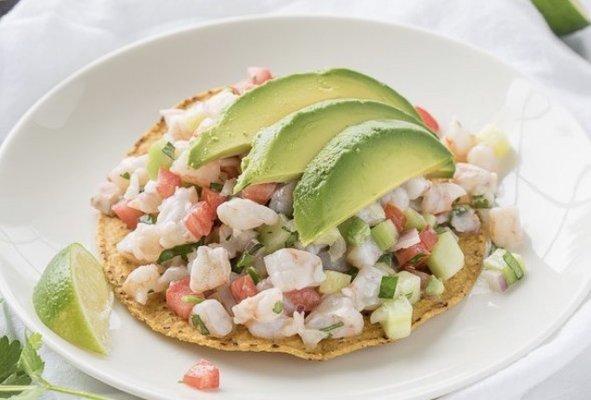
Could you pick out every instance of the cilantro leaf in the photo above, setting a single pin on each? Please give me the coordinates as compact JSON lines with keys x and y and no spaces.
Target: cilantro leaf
{"x":10,"y":352}
{"x":29,"y":361}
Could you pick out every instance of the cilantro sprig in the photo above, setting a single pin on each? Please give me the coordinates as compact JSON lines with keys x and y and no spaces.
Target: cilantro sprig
{"x":21,"y":372}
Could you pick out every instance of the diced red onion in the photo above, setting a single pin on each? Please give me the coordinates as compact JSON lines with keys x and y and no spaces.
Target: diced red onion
{"x":496,"y":280}
{"x":410,"y":238}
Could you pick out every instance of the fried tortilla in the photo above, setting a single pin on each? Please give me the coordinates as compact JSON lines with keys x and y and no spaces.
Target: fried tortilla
{"x":162,"y":320}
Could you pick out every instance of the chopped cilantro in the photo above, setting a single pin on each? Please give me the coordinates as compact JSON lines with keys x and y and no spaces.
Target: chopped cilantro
{"x":278,"y":307}
{"x":169,"y":150}
{"x":199,"y":324}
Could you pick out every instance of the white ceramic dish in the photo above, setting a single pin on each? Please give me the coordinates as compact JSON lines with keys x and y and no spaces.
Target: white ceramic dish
{"x":61,"y":149}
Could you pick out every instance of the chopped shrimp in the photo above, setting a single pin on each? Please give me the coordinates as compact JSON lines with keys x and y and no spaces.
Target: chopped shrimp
{"x":170,"y":275}
{"x":142,"y":244}
{"x":476,"y":181}
{"x":416,"y":187}
{"x":278,"y":328}
{"x":484,"y":156}
{"x":121,"y":174}
{"x":243,"y":214}
{"x":365,"y":288}
{"x":465,"y":220}
{"x":108,"y":195}
{"x":214,"y":316}
{"x":505,"y":227}
{"x":182,"y":123}
{"x":292,"y":269}
{"x":202,"y":176}
{"x":372,"y":214}
{"x":141,"y":281}
{"x":235,"y":241}
{"x":148,"y":201}
{"x":137,"y":180}
{"x":173,"y":210}
{"x":259,"y":308}
{"x":440,"y":197}
{"x":210,"y":269}
{"x":398,"y":197}
{"x":336,"y":315}
{"x":282,"y":199}
{"x":459,"y":140}
{"x":218,"y":103}
{"x":311,"y":337}
{"x":364,"y":255}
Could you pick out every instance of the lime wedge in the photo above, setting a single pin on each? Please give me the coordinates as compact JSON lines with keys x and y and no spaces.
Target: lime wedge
{"x":563,"y":16}
{"x":74,"y":300}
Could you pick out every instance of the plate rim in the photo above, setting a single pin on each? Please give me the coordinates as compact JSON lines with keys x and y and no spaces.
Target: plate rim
{"x":451,"y":385}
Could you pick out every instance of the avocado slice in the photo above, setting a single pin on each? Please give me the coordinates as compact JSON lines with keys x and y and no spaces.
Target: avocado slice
{"x":282,"y":151}
{"x":360,"y":165}
{"x":279,"y":97}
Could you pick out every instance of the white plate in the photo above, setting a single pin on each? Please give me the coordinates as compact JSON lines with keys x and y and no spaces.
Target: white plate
{"x":65,"y":145}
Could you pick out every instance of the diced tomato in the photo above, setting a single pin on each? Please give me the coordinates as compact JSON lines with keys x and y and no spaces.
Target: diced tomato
{"x":260,"y":193}
{"x":428,"y":119}
{"x":213,"y":198}
{"x":305,"y":299}
{"x":242,"y":288}
{"x":428,"y":238}
{"x":259,"y":75}
{"x":203,"y":375}
{"x":128,"y":215}
{"x":396,"y":215}
{"x":414,"y":255}
{"x":174,"y":297}
{"x":167,"y":182}
{"x":200,"y":221}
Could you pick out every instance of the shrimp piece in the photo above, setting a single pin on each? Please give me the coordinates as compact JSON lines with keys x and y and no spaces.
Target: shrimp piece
{"x":505,"y":227}
{"x":365,"y":255}
{"x":148,"y":201}
{"x":173,"y":210}
{"x":141,"y":281}
{"x":218,"y":103}
{"x":398,"y":197}
{"x":365,"y":288}
{"x":214,"y":317}
{"x":137,"y":180}
{"x":292,"y":269}
{"x":243,"y":214}
{"x":121,"y":174}
{"x":261,"y":307}
{"x":484,"y":156}
{"x":459,"y":140}
{"x":440,"y":197}
{"x":108,"y":195}
{"x":210,"y":269}
{"x":476,"y":181}
{"x":141,"y":245}
{"x":235,"y":241}
{"x":336,"y":315}
{"x":182,"y":123}
{"x":278,"y":328}
{"x":416,"y":187}
{"x":465,"y":220}
{"x":372,"y":214}
{"x":170,"y":275}
{"x":202,"y":176}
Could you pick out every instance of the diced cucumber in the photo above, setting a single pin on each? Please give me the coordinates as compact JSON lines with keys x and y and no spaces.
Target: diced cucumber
{"x":354,"y":230}
{"x":385,"y":234}
{"x":388,"y":287}
{"x":159,"y":156}
{"x":328,"y":238}
{"x":434,"y":286}
{"x":409,"y":286}
{"x":414,"y":220}
{"x":395,"y":316}
{"x":334,"y":282}
{"x":430,"y":219}
{"x":274,"y":237}
{"x":446,"y":257}
{"x":510,"y":264}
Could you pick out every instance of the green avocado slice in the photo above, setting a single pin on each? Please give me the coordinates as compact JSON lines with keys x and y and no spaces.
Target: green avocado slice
{"x":279,"y":97}
{"x":282,"y":151}
{"x":360,"y":165}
